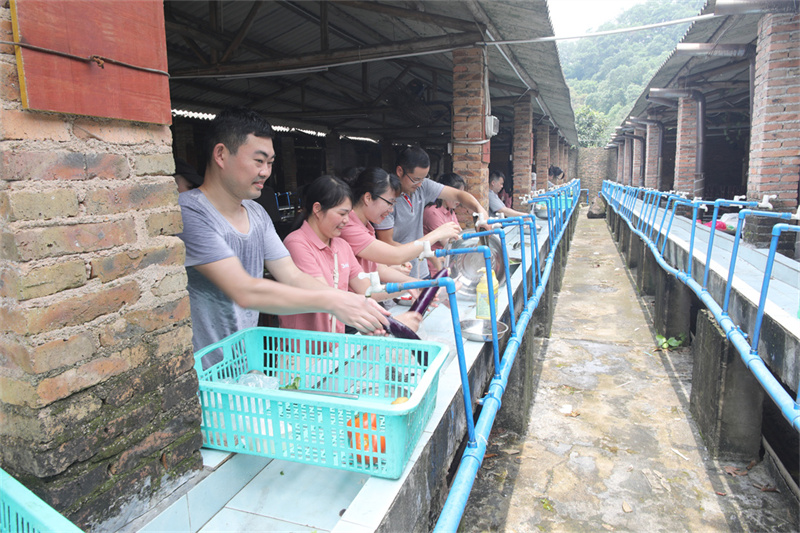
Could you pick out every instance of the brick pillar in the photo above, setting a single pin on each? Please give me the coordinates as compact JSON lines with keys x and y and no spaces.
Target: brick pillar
{"x":98,"y":395}
{"x":555,"y":156}
{"x":638,"y":148}
{"x":542,"y":154}
{"x":333,"y":153}
{"x":565,"y":160}
{"x":686,"y":148}
{"x":289,"y":163}
{"x":775,"y":131}
{"x":626,"y":161}
{"x":652,"y":177}
{"x":523,"y":150}
{"x":621,"y":162}
{"x":471,"y":161}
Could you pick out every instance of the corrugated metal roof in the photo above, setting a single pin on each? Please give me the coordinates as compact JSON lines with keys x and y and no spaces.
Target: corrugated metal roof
{"x":370,"y":79}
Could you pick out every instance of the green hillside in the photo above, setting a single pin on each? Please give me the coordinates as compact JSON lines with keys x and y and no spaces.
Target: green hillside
{"x":607,"y":74}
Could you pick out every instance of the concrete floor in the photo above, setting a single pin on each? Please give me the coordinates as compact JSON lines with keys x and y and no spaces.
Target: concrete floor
{"x":611,"y":444}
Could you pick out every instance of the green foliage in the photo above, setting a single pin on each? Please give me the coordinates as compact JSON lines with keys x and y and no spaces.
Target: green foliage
{"x":671,"y":343}
{"x":607,"y":74}
{"x":591,"y":126}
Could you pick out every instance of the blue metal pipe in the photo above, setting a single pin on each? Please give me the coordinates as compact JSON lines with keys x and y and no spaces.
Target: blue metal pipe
{"x":789,"y":407}
{"x":472,"y":458}
{"x":502,"y":234}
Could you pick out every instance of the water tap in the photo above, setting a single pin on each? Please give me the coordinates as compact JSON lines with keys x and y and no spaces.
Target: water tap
{"x":740,"y":198}
{"x":374,"y":283}
{"x":704,"y":207}
{"x":765,"y":202}
{"x":796,"y":216}
{"x":426,"y":250}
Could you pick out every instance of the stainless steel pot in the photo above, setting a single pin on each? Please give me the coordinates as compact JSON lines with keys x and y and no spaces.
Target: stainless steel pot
{"x":464,"y":268}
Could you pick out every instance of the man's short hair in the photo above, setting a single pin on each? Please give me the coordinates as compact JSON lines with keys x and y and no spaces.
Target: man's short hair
{"x":495,"y":175}
{"x":413,"y":157}
{"x":231,"y":128}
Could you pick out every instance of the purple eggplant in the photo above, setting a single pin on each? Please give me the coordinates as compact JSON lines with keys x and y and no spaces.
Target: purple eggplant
{"x":400,"y":330}
{"x":427,"y":296}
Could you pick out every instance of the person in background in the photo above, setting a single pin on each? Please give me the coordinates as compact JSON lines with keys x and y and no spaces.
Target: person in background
{"x":441,"y":212}
{"x":496,"y":205}
{"x":186,"y":176}
{"x":318,"y":250}
{"x":230,"y":240}
{"x":375,"y":192}
{"x":404,"y":225}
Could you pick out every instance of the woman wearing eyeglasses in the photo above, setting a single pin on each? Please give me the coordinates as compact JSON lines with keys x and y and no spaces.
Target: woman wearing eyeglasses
{"x":375,"y":192}
{"x":317,"y":249}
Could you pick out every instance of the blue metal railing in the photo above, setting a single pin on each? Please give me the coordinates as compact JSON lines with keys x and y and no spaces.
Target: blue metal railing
{"x":623,"y":199}
{"x":561,"y":204}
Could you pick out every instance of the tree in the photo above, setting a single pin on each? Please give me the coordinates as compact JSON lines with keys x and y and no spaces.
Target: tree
{"x":591,"y":126}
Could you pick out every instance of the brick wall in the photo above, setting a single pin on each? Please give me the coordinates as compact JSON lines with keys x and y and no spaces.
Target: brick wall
{"x":686,"y":154}
{"x":627,"y":146}
{"x":542,"y":147}
{"x":523,"y":150}
{"x":775,"y":132}
{"x":652,"y":177}
{"x":620,"y":162}
{"x":555,"y":155}
{"x":595,"y":164}
{"x":98,"y":406}
{"x":639,"y":151}
{"x":471,"y":161}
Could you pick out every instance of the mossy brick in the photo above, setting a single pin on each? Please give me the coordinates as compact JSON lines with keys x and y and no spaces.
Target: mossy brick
{"x":154,"y":164}
{"x":125,"y":263}
{"x":127,"y":387}
{"x":9,"y":82}
{"x":115,"y":495}
{"x":42,"y":205}
{"x":87,"y":375}
{"x":53,"y":165}
{"x":51,"y":423}
{"x":35,"y":282}
{"x":6,"y":34}
{"x":70,"y":490}
{"x":164,"y":223}
{"x":32,"y":125}
{"x":181,"y":391}
{"x":54,"y":241}
{"x":122,"y":132}
{"x":188,"y":447}
{"x":174,"y":282}
{"x":153,"y":443}
{"x":74,"y":311}
{"x":162,"y":315}
{"x":128,"y":197}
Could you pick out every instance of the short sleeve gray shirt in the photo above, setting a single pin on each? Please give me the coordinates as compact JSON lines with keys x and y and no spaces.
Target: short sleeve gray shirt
{"x":209,"y":237}
{"x":407,"y":219}
{"x":495,"y":203}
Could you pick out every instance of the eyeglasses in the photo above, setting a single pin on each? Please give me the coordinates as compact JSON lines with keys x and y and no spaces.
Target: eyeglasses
{"x":415,"y":180}
{"x":385,"y":200}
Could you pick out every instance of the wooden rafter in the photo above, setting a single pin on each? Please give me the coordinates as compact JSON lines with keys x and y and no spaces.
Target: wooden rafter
{"x":242,"y":33}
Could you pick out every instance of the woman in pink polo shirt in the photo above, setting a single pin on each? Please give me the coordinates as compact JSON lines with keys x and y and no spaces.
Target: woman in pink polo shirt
{"x":441,"y":212}
{"x":375,"y":192}
{"x":318,"y":250}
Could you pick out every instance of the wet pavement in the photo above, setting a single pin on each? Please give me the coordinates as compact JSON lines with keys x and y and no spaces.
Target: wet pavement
{"x":611,"y":445}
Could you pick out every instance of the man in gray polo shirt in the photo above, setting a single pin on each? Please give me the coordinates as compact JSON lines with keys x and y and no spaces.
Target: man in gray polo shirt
{"x":418,"y":190}
{"x":230,"y":239}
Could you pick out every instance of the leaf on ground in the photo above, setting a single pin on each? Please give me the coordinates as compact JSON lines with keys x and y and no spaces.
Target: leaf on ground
{"x":627,"y":508}
{"x":573,"y":413}
{"x":721,"y":493}
{"x":765,"y":488}
{"x":489,"y":455}
{"x":511,"y":452}
{"x":733,"y":471}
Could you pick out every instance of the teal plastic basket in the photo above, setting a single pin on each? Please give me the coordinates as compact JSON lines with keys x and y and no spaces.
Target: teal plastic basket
{"x":23,"y":511}
{"x":342,"y":414}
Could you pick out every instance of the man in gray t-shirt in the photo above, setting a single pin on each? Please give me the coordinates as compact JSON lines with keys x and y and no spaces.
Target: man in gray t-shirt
{"x":230,"y":240}
{"x":405,"y":223}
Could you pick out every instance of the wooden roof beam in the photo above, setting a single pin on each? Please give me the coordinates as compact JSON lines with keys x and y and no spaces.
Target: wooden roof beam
{"x":420,"y":16}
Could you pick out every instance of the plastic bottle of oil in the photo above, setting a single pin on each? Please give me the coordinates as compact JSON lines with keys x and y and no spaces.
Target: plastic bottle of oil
{"x":482,"y":295}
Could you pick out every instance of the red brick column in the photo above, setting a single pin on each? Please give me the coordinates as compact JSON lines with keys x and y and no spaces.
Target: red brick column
{"x":686,"y":149}
{"x":470,"y":160}
{"x":775,"y":131}
{"x":638,"y":148}
{"x":555,"y":155}
{"x":620,"y":162}
{"x":522,"y":150}
{"x":626,"y":161}
{"x":542,"y":154}
{"x":98,"y":395}
{"x":651,"y":171}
